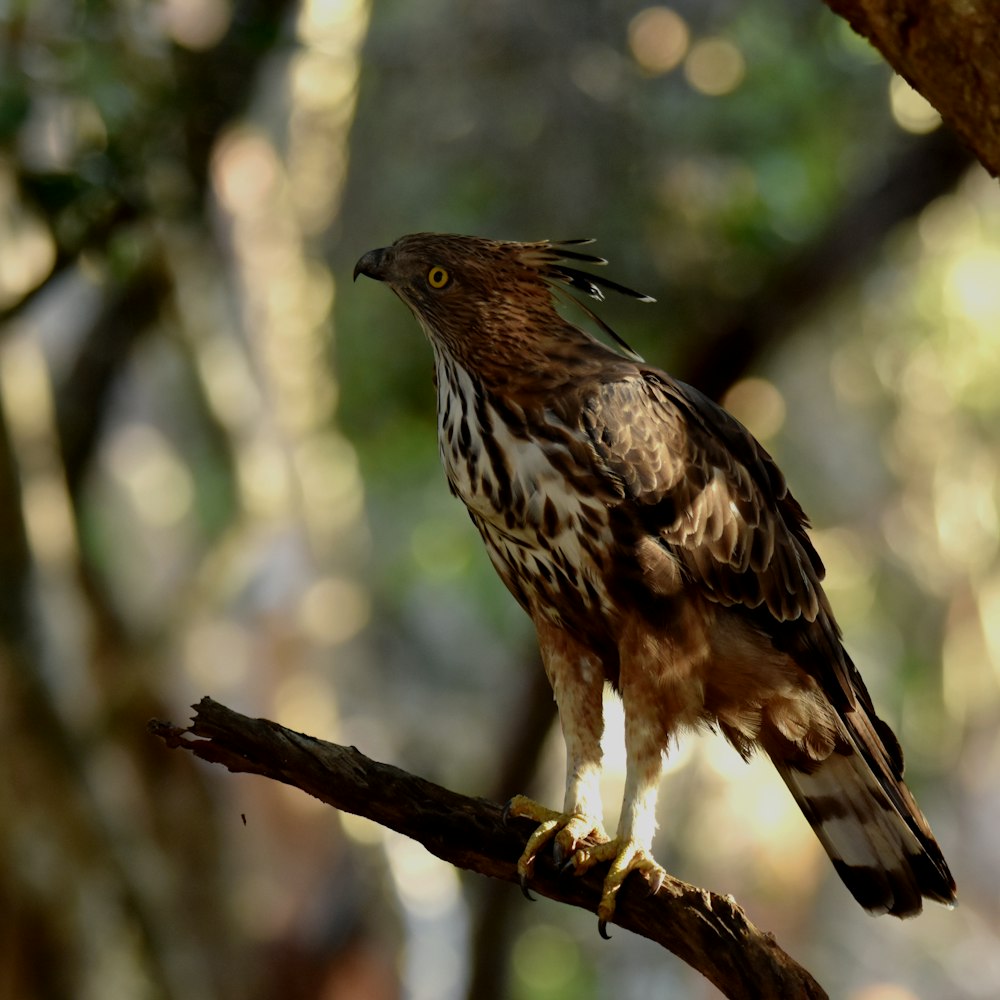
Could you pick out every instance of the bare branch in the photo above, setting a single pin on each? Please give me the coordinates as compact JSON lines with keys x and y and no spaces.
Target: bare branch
{"x":709,"y":932}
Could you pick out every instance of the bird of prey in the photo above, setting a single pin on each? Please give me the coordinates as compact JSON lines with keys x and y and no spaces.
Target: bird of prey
{"x":655,"y":546}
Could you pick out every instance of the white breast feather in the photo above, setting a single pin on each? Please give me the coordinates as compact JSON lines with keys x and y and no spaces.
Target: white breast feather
{"x":533,"y":477}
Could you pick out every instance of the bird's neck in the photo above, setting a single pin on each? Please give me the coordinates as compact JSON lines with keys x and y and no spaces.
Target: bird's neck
{"x":519,"y":362}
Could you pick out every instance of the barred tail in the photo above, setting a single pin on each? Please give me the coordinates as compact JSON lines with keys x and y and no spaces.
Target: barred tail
{"x":867,"y":819}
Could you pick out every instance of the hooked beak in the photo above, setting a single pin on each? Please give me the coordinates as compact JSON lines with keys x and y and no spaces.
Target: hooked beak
{"x":372,"y":264}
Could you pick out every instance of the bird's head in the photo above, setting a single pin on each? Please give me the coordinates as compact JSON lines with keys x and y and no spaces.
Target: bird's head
{"x":477,"y":297}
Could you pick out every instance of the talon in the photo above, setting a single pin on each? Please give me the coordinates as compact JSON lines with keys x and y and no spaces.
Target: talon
{"x":655,"y":879}
{"x":602,"y":929}
{"x":566,"y":830}
{"x":525,"y":891}
{"x":559,"y":853}
{"x":625,"y":857}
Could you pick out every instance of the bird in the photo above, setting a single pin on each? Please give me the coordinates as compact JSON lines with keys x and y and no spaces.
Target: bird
{"x":656,"y":547}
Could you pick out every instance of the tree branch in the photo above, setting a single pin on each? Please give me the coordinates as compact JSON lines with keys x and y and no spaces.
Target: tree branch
{"x":948,"y":52}
{"x":709,"y":932}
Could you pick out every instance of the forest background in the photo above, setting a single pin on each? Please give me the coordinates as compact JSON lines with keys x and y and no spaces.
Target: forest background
{"x":218,"y":471}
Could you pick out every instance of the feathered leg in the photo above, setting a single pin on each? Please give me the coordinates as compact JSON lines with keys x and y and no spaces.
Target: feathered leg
{"x":631,"y":848}
{"x":577,"y":679}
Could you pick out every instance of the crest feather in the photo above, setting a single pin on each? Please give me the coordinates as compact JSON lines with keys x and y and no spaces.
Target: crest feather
{"x":547,"y":257}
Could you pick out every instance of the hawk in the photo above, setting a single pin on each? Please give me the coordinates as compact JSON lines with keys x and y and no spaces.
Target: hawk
{"x":655,"y":546}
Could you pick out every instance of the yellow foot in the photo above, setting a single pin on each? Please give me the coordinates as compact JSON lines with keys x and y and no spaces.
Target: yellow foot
{"x":571,"y":832}
{"x":625,"y":857}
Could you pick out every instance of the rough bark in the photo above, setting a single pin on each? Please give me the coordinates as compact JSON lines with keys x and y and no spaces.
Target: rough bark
{"x":949,"y":52}
{"x":709,"y":932}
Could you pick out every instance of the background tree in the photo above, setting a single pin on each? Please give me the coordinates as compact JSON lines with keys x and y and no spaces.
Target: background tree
{"x":200,"y":495}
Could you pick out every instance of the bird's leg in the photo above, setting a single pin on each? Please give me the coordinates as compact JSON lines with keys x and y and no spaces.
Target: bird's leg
{"x":631,"y":848}
{"x":577,"y":680}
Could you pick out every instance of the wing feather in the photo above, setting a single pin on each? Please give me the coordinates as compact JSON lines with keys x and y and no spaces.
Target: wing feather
{"x":698,"y":483}
{"x":709,"y":492}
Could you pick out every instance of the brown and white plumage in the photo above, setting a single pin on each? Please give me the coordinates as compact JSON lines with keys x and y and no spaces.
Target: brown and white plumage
{"x":655,"y":545}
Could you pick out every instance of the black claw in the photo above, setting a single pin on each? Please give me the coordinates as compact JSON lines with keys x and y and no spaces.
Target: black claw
{"x":505,"y":815}
{"x":602,"y":929}
{"x":525,"y":890}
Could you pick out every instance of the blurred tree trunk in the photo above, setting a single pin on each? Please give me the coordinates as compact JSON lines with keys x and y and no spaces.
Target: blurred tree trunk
{"x":80,"y":783}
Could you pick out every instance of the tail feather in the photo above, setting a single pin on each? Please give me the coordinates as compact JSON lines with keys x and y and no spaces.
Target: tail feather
{"x":867,"y":819}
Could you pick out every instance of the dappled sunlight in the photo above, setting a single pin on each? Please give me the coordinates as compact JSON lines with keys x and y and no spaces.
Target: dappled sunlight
{"x":883,"y":991}
{"x":222,"y":508}
{"x":27,"y":250}
{"x":758,"y":404}
{"x":911,"y":111}
{"x":428,"y":885}
{"x":225,"y":468}
{"x":218,"y":655}
{"x":850,"y":572}
{"x":944,"y":522}
{"x":714,"y":66}
{"x":951,"y":225}
{"x":362,"y":830}
{"x":262,"y":475}
{"x":765,"y":835}
{"x":442,"y":548}
{"x":155,"y":478}
{"x":306,"y":700}
{"x":943,"y":444}
{"x":989,"y":618}
{"x":434,"y":960}
{"x":333,"y":610}
{"x":233,"y":394}
{"x":546,"y":961}
{"x":658,"y":38}
{"x":964,"y":490}
{"x":245,"y":171}
{"x":195,"y":24}
{"x":58,"y":129}
{"x":298,"y":461}
{"x":969,"y":688}
{"x":972,"y":291}
{"x":324,"y":79}
{"x":328,"y":477}
{"x":28,"y":408}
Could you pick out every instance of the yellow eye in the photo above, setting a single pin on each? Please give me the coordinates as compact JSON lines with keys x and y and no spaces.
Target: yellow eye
{"x":438,"y":277}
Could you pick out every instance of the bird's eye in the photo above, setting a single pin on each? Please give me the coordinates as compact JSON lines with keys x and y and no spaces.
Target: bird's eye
{"x":438,"y":277}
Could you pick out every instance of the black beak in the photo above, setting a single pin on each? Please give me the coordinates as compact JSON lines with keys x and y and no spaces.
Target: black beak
{"x":372,"y":264}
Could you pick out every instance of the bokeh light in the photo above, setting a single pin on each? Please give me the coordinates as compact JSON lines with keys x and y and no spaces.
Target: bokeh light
{"x":758,"y":404}
{"x":911,"y":110}
{"x":658,"y":38}
{"x":714,"y":66}
{"x":196,"y":24}
{"x":27,"y":251}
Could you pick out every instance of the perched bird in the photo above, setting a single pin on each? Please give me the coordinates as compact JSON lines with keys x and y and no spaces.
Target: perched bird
{"x":656,"y":548}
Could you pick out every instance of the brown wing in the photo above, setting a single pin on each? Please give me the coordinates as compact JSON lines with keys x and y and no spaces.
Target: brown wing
{"x":698,"y":482}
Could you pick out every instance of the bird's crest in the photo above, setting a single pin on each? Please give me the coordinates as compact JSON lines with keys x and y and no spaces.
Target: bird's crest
{"x":549,"y":256}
